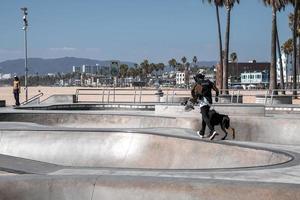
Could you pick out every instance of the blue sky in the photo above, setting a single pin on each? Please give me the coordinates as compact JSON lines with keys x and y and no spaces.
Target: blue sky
{"x":133,"y":30}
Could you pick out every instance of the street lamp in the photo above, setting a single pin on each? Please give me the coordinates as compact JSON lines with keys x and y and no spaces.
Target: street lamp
{"x":25,"y":13}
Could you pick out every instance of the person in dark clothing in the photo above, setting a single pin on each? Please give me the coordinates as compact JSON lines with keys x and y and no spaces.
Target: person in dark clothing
{"x":203,"y":92}
{"x":16,"y":90}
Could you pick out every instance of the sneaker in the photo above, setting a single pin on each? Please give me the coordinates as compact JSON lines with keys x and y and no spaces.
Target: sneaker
{"x":199,"y":134}
{"x":213,"y":135}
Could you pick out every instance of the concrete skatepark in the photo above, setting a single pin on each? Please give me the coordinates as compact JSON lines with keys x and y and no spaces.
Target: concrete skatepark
{"x":54,"y":151}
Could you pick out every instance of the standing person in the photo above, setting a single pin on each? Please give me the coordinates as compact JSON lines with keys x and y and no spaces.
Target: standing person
{"x":16,"y":90}
{"x":202,"y":91}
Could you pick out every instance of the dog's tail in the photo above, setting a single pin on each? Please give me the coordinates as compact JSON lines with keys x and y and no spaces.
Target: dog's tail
{"x":233,"y":132}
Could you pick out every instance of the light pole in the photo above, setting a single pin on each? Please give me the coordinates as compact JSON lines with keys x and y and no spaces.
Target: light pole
{"x":25,"y":13}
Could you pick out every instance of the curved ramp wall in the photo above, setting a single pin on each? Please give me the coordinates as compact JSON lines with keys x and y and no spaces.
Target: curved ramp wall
{"x":258,"y":129}
{"x":130,"y":150}
{"x":81,"y":120}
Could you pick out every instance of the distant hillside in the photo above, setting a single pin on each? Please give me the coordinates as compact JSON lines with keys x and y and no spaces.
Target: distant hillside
{"x":44,"y":66}
{"x":63,"y":65}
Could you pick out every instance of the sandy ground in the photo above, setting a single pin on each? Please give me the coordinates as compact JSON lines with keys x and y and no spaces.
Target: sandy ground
{"x":119,"y":94}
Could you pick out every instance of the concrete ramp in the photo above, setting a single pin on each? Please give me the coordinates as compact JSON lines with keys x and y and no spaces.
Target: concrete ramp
{"x":131,"y":150}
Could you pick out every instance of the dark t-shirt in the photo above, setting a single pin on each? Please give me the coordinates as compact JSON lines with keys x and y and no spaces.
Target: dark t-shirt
{"x":207,"y":86}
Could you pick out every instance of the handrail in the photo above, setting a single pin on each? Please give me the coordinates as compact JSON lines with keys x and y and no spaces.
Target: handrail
{"x":136,"y":94}
{"x":37,"y":96}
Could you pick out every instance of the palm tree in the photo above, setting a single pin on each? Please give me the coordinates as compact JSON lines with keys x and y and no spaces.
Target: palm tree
{"x":229,"y":5}
{"x":280,"y":62}
{"x":145,"y":67}
{"x":219,"y":3}
{"x":296,"y":4}
{"x":276,"y":5}
{"x":123,"y":72}
{"x":186,"y":70}
{"x":173,"y":63}
{"x":287,"y":49}
{"x":233,"y":57}
{"x":160,"y":67}
{"x":195,"y":60}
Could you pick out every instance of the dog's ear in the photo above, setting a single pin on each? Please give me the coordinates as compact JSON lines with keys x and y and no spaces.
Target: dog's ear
{"x":226,"y":122}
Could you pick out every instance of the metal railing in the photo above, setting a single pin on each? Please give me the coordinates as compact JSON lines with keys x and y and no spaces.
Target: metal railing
{"x":175,"y":95}
{"x":236,"y":95}
{"x":36,"y":97}
{"x":109,"y":95}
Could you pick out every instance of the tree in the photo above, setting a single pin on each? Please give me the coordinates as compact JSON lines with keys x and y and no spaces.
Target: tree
{"x":287,"y":49}
{"x":276,"y":5}
{"x":296,"y":4}
{"x":229,"y":5}
{"x":233,"y":57}
{"x":219,"y":3}
{"x":183,"y":59}
{"x":161,"y":66}
{"x":195,"y":60}
{"x":186,"y":70}
{"x":173,"y":63}
{"x":145,"y":68}
{"x":280,"y":61}
{"x":123,"y":72}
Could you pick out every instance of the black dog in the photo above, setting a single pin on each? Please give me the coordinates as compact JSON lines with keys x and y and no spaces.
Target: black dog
{"x":222,"y":120}
{"x":214,"y":117}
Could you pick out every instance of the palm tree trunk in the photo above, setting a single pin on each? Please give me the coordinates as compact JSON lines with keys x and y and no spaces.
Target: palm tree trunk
{"x":225,"y":70}
{"x":273,"y":77}
{"x":280,"y":62}
{"x":295,"y":48}
{"x":220,"y":70}
{"x":298,"y":66}
{"x":286,"y":71}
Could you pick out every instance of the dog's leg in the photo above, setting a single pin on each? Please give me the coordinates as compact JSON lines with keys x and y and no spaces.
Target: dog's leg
{"x":233,"y":132}
{"x":224,"y":130}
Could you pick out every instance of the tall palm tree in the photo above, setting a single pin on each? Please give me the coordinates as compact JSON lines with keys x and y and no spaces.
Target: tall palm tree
{"x":145,"y":68}
{"x":276,"y":5}
{"x":195,"y":59}
{"x":296,"y":4}
{"x":183,"y":59}
{"x":219,"y":3}
{"x":280,"y":62}
{"x":186,"y":70}
{"x":229,"y":5}
{"x":287,"y":49}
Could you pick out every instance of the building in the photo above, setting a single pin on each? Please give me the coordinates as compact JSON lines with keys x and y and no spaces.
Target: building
{"x":255,"y":78}
{"x":235,"y":69}
{"x":5,"y":76}
{"x":76,"y":69}
{"x":105,"y":68}
{"x":180,"y":78}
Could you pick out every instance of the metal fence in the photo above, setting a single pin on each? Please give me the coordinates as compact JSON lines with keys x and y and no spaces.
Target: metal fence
{"x":176,"y":95}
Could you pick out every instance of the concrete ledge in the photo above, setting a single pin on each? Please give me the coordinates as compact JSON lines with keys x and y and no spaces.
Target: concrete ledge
{"x":82,"y":106}
{"x":233,"y":109}
{"x":58,"y":98}
{"x":174,"y":99}
{"x":282,"y":99}
{"x":2,"y":103}
{"x":223,"y":98}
